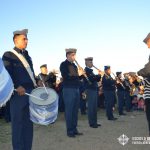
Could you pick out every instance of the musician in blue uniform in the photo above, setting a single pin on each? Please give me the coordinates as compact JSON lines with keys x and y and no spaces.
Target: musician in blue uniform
{"x":22,"y":127}
{"x":92,"y":92}
{"x":71,"y":94}
{"x":109,"y":88}
{"x":120,"y":93}
{"x":128,"y":86}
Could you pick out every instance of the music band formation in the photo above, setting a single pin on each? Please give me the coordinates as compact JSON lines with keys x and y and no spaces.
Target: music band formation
{"x":79,"y":88}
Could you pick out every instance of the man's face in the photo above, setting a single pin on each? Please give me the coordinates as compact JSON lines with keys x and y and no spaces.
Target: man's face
{"x":71,"y":57}
{"x":44,"y":70}
{"x":120,"y":76}
{"x":21,"y":41}
{"x":89,"y":64}
{"x":130,"y":79}
{"x":148,"y":43}
{"x":108,"y":71}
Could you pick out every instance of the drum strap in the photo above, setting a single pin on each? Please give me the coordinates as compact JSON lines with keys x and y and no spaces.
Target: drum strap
{"x":26,"y":65}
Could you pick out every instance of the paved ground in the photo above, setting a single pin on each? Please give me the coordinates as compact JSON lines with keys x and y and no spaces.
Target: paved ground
{"x":53,"y":137}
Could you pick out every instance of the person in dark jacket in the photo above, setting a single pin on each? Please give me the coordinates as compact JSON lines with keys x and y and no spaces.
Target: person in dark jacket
{"x":120,"y":93}
{"x":48,"y":79}
{"x":22,"y":127}
{"x":145,"y":73}
{"x":128,"y":86}
{"x":71,"y":94}
{"x":92,"y":92}
{"x":109,"y":88}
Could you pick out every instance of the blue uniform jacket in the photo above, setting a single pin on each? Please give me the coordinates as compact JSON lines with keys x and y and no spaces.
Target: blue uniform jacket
{"x":108,"y":83}
{"x":70,"y":75}
{"x":16,"y":69}
{"x":92,"y":78}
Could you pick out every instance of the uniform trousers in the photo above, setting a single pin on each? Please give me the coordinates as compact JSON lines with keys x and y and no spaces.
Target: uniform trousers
{"x":22,"y":127}
{"x":92,"y":96}
{"x":71,"y":98}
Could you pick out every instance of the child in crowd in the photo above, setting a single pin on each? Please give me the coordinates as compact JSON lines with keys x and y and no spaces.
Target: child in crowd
{"x":141,"y":103}
{"x":135,"y":102}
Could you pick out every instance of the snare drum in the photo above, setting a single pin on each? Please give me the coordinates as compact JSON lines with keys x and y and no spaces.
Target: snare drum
{"x":43,"y":111}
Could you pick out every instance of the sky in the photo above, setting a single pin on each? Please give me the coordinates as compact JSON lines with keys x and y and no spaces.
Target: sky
{"x":111,"y":31}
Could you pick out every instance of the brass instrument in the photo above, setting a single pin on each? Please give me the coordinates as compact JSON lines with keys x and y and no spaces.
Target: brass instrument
{"x":140,"y":86}
{"x":80,"y":68}
{"x":101,"y":72}
{"x":119,"y":81}
{"x":132,"y":90}
{"x":129,"y":83}
{"x":131,"y":78}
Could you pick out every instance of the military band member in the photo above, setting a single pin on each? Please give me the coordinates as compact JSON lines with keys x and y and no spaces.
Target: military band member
{"x":71,"y":94}
{"x":120,"y":93}
{"x":92,"y":92}
{"x":109,"y":92}
{"x":145,"y":73}
{"x":128,"y":86}
{"x":22,"y":127}
{"x":48,"y":79}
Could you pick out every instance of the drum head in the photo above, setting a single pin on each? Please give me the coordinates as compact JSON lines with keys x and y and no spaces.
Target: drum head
{"x":46,"y":99}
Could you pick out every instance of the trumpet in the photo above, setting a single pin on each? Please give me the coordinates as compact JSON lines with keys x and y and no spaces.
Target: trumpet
{"x":84,"y":74}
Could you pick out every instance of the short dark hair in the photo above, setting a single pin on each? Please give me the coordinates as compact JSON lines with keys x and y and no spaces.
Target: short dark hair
{"x":141,"y":98}
{"x":16,"y":35}
{"x":68,"y":53}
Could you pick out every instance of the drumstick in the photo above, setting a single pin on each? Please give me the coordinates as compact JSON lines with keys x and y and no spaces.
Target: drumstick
{"x":43,"y":84}
{"x":32,"y":96}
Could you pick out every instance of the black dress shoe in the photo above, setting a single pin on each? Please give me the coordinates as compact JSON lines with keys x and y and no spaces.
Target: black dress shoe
{"x":78,"y":133}
{"x":113,"y":119}
{"x":71,"y":135}
{"x":94,"y":126}
{"x":122,"y":114}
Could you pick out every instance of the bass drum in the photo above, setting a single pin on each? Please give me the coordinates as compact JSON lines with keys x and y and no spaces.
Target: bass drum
{"x":44,"y":110}
{"x":6,"y":85}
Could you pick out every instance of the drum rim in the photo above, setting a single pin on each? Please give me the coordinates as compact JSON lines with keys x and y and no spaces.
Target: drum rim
{"x":33,"y":101}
